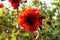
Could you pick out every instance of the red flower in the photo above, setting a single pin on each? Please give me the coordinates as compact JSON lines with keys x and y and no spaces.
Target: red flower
{"x":14,"y":3}
{"x":30,"y":19}
{"x":1,"y":5}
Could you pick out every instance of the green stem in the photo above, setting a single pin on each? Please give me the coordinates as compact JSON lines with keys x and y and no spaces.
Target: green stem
{"x":12,"y":18}
{"x":17,"y":12}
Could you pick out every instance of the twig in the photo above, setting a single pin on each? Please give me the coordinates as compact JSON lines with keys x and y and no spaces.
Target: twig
{"x":17,"y":11}
{"x":37,"y":36}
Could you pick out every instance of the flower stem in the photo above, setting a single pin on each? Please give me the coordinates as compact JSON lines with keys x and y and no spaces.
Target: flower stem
{"x":37,"y":35}
{"x":17,"y":11}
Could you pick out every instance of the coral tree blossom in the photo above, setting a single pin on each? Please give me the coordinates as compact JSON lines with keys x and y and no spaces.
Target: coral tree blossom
{"x":14,"y":3}
{"x":30,"y":20}
{"x":1,"y":5}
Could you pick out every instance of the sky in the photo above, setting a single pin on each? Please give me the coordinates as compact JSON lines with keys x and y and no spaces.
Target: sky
{"x":29,"y":2}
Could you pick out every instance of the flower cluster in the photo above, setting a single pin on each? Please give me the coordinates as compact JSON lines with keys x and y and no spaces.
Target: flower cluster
{"x":30,"y":19}
{"x":14,"y":3}
{"x":1,"y":5}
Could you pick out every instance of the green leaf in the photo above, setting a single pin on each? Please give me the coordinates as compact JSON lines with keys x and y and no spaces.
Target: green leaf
{"x":13,"y":38}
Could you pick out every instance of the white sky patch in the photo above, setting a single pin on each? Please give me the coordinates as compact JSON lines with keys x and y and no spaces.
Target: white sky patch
{"x":54,"y":17}
{"x":7,"y":4}
{"x":29,"y":2}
